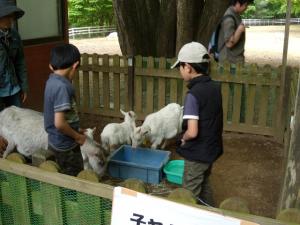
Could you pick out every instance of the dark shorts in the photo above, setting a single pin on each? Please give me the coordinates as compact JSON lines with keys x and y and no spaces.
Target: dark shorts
{"x":70,"y":162}
{"x":10,"y":100}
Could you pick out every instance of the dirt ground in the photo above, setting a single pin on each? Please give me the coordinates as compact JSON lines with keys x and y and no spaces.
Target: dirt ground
{"x":264,"y":45}
{"x":251,"y":166}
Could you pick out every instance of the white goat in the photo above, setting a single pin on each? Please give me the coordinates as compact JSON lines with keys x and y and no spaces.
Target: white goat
{"x":24,"y":129}
{"x":115,"y":134}
{"x":162,"y":125}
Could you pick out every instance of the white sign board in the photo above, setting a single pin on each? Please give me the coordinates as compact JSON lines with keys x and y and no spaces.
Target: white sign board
{"x":134,"y":208}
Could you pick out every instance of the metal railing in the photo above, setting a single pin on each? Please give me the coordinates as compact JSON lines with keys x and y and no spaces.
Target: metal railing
{"x":269,"y":22}
{"x":102,"y":31}
{"x":89,"y":32}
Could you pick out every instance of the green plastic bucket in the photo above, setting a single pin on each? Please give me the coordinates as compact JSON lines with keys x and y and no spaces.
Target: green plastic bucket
{"x":174,"y":171}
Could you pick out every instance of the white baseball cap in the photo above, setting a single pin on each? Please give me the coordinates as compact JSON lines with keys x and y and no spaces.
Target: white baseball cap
{"x":192,"y":52}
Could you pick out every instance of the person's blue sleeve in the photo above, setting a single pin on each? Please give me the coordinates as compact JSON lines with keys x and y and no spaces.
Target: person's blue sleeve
{"x":62,"y":100}
{"x":191,"y":107}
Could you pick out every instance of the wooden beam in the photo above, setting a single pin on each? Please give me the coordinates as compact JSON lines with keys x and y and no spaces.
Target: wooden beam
{"x":291,"y":182}
{"x":286,"y":34}
{"x":283,"y":98}
{"x":106,"y":191}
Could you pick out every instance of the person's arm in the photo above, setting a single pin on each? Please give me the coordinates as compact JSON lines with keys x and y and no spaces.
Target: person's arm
{"x":191,"y":132}
{"x":21,"y":70}
{"x":191,"y":114}
{"x":235,"y":37}
{"x":62,"y":125}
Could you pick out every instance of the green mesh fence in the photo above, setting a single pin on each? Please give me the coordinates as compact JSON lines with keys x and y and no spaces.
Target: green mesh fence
{"x":24,"y":201}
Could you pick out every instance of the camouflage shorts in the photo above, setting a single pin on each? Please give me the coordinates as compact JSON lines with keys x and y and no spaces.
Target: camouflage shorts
{"x":70,"y":162}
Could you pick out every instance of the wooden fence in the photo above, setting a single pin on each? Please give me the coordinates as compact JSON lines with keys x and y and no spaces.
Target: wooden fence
{"x":255,"y":99}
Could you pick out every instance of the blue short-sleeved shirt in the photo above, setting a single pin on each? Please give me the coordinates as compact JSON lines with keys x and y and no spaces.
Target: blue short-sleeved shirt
{"x":191,"y":108}
{"x":60,"y":97}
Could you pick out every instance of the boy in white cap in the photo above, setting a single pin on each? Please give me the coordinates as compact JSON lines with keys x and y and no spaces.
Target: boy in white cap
{"x":13,"y":73}
{"x":201,"y":140}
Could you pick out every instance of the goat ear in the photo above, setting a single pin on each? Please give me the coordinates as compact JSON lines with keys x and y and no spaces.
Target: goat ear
{"x":131,"y":114}
{"x":94,"y":129}
{"x":146,"y":130}
{"x":122,"y":112}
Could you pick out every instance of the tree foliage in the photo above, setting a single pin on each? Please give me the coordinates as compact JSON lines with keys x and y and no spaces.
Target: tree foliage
{"x":90,"y":13}
{"x":161,"y":27}
{"x":271,"y":9}
{"x":100,"y":12}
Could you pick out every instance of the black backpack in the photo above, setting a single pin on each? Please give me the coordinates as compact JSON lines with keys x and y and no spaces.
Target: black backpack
{"x":213,"y":47}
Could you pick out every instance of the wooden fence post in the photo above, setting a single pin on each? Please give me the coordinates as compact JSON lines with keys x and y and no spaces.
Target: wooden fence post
{"x":291,"y":182}
{"x":131,"y":65}
{"x":284,"y":92}
{"x":283,"y":105}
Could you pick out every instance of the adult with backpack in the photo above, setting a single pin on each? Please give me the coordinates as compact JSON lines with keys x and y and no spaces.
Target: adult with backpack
{"x":228,"y":44}
{"x":231,"y":34}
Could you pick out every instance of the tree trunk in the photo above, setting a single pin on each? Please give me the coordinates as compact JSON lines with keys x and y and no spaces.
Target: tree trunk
{"x":212,"y":12}
{"x":166,"y":29}
{"x":160,"y":27}
{"x":135,"y":25}
{"x":184,"y":22}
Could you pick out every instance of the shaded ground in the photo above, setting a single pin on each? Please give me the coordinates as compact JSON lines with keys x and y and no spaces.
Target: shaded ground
{"x":251,"y":168}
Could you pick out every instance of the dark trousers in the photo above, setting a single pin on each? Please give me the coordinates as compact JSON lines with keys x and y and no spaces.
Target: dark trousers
{"x":10,"y":100}
{"x":196,"y":179}
{"x":70,"y":162}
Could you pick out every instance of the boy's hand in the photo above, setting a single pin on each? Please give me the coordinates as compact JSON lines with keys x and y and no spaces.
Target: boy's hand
{"x":81,"y":131}
{"x":80,"y":139}
{"x":23,"y":97}
{"x":182,"y":142}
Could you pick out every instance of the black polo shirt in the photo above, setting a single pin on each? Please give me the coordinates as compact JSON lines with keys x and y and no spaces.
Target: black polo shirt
{"x":203,"y":103}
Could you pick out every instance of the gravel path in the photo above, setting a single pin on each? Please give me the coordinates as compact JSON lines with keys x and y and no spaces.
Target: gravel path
{"x":264,"y":45}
